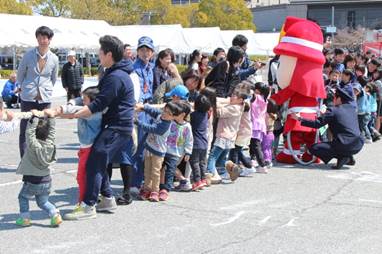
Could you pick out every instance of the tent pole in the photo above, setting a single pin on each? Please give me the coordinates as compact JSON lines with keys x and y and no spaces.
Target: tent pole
{"x":14,"y":57}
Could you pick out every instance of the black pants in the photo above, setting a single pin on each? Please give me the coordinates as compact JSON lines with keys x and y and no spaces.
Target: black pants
{"x":198,"y":163}
{"x":255,"y":149}
{"x":236,"y":155}
{"x":107,"y":145}
{"x":326,"y":151}
{"x":126,"y":173}
{"x":25,"y":107}
{"x":74,"y":93}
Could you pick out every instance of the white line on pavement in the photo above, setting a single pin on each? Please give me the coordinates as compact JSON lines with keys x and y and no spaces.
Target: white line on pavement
{"x":230,"y":220}
{"x":265,"y":220}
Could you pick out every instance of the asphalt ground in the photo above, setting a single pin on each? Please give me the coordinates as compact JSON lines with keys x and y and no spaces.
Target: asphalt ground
{"x":292,"y":209}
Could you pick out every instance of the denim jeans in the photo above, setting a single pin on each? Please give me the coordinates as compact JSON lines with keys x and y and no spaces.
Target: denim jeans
{"x":216,"y":159}
{"x":363,"y":121}
{"x":170,"y":162}
{"x":41,"y":192}
{"x":237,"y":156}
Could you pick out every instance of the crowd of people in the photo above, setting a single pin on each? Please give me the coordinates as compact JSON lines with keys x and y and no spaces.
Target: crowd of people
{"x":166,"y":130}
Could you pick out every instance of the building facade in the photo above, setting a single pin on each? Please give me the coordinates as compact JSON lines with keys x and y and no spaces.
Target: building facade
{"x":340,"y":13}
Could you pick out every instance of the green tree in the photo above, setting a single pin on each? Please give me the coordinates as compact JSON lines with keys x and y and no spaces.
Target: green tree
{"x":181,"y":14}
{"x":15,"y":7}
{"x":55,"y":8}
{"x":232,"y":14}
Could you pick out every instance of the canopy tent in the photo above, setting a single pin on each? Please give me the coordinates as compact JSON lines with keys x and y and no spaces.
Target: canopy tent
{"x":265,"y":43}
{"x":374,"y":47}
{"x":206,"y":39}
{"x":68,"y":33}
{"x":164,"y":36}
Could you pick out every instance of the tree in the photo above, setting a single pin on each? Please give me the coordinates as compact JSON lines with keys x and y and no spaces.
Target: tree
{"x":14,"y":7}
{"x":232,"y":14}
{"x":55,"y":8}
{"x":181,"y":14}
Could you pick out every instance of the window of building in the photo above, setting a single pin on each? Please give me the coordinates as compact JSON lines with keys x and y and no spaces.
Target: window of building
{"x":351,"y":19}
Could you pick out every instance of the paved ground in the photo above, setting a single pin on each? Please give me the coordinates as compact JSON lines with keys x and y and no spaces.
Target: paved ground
{"x":290,"y":210}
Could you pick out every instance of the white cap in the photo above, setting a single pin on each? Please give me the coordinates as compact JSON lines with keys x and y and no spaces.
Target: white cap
{"x":72,"y":53}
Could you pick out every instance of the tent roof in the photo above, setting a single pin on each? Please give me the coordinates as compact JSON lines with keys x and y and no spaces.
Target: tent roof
{"x":206,"y":39}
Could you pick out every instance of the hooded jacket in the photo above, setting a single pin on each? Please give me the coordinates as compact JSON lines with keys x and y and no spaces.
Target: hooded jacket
{"x":116,"y":94}
{"x":39,"y":154}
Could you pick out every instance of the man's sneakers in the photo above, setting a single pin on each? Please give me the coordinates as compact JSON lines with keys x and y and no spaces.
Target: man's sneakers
{"x":106,"y":205}
{"x":23,"y":222}
{"x":81,"y":212}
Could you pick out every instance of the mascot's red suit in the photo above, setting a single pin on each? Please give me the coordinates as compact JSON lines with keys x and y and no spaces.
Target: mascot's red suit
{"x":300,"y":77}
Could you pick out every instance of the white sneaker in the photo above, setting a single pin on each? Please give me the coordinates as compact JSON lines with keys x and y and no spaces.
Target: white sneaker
{"x":106,"y":204}
{"x":247,"y":172}
{"x":368,"y":141}
{"x":261,"y":170}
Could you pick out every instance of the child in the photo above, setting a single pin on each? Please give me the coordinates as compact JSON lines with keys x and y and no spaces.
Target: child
{"x":229,"y":120}
{"x":88,"y":130}
{"x":363,"y":110}
{"x":199,"y":124}
{"x":243,"y":138}
{"x":371,"y":91}
{"x":259,"y":128}
{"x":35,"y":168}
{"x":266,"y":144}
{"x":156,"y":146}
{"x":179,"y":144}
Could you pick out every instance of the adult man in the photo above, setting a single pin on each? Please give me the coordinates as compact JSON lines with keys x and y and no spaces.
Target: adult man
{"x":128,"y":53}
{"x":343,"y":122}
{"x":248,"y":67}
{"x":10,"y":91}
{"x":72,"y":76}
{"x":36,"y":76}
{"x":145,"y":70}
{"x":116,"y":94}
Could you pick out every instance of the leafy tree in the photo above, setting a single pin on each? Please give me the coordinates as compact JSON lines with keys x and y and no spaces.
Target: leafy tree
{"x":15,"y":7}
{"x":231,"y":14}
{"x":181,"y":14}
{"x":55,"y":8}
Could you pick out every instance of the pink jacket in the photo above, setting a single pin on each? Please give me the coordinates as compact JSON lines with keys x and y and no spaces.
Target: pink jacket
{"x":258,"y":112}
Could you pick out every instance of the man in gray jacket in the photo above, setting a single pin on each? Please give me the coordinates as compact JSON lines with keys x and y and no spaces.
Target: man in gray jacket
{"x":36,"y":76}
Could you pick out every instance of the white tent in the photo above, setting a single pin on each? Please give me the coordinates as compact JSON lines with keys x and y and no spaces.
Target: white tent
{"x":266,"y":42}
{"x":206,"y":39}
{"x":164,"y":36}
{"x":19,"y":31}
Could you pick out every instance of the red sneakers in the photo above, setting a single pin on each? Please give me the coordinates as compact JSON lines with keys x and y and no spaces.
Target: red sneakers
{"x":163,"y":195}
{"x":197,"y":186}
{"x":144,"y":194}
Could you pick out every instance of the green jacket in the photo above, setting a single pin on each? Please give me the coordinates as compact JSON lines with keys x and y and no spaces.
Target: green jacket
{"x":39,"y":154}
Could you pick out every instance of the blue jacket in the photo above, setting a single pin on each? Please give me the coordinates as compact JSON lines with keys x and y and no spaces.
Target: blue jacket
{"x":363,"y":101}
{"x":146,"y":78}
{"x":158,"y":131}
{"x":8,"y":89}
{"x":116,"y":94}
{"x":245,"y":69}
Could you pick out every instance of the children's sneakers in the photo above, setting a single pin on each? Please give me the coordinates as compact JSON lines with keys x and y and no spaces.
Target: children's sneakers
{"x":81,"y":212}
{"x":163,"y":195}
{"x":144,"y":194}
{"x":184,"y":185}
{"x":154,"y":196}
{"x":197,"y":186}
{"x":233,"y":170}
{"x":261,"y":170}
{"x":208,"y":179}
{"x":56,"y":220}
{"x":23,"y":222}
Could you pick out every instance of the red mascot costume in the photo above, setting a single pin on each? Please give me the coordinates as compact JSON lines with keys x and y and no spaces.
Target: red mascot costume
{"x":300,"y":77}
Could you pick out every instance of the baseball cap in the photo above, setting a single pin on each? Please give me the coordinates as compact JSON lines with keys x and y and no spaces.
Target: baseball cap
{"x":72,"y":53}
{"x":146,"y":41}
{"x":180,"y":91}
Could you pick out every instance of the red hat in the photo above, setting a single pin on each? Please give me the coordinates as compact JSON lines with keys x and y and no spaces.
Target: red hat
{"x":303,"y":39}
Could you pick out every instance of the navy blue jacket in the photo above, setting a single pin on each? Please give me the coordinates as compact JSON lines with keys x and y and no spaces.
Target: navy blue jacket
{"x":343,"y":122}
{"x":116,"y":94}
{"x":199,"y":124}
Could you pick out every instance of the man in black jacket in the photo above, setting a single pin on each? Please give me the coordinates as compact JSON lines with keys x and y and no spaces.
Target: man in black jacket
{"x":72,"y":76}
{"x":343,"y":122}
